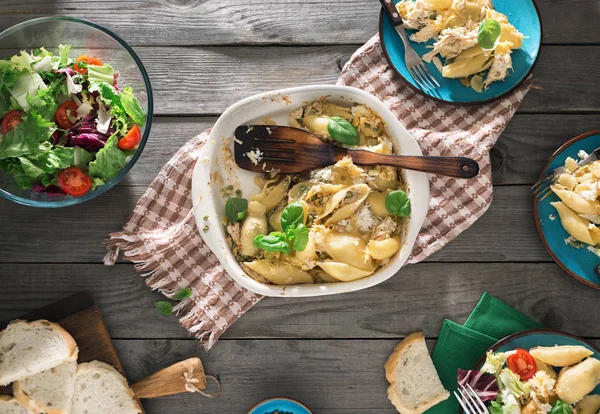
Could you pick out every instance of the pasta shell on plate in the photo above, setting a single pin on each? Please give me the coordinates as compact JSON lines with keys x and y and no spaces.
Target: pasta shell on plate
{"x":255,"y":223}
{"x":342,"y":204}
{"x":279,"y":272}
{"x":465,"y":66}
{"x":590,"y":404}
{"x":575,"y":201}
{"x":273,"y":192}
{"x":578,"y":227}
{"x":376,"y":200}
{"x":383,"y":249}
{"x":577,"y":381}
{"x":568,"y":181}
{"x":560,"y":356}
{"x":343,"y":272}
{"x":345,"y":248}
{"x":542,"y":366}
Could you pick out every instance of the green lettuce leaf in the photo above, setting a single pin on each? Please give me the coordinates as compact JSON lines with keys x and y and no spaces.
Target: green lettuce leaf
{"x":132,"y":106}
{"x":111,"y":98}
{"x":26,"y":137}
{"x":494,"y":361}
{"x":98,"y":74}
{"x":511,"y":384}
{"x":109,"y":160}
{"x":64,"y":51}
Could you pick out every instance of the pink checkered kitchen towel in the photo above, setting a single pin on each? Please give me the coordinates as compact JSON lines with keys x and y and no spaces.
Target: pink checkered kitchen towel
{"x":161,"y":237}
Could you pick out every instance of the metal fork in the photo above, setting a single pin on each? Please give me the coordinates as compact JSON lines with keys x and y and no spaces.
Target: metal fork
{"x":414,"y":63}
{"x":469,"y":400}
{"x":541,"y":189}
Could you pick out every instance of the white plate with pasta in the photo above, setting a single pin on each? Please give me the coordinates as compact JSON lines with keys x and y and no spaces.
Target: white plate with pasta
{"x":568,"y":219}
{"x":334,"y":230}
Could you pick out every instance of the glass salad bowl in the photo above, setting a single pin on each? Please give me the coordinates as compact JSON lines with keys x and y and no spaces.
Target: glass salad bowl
{"x":89,"y":39}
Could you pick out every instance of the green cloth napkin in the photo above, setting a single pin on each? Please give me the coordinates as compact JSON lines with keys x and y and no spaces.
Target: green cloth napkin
{"x":462,"y":346}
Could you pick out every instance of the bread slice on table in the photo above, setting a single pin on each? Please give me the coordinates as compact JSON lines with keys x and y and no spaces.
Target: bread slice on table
{"x":414,"y":383}
{"x":28,"y":348}
{"x":9,"y":405}
{"x":50,"y":391}
{"x":101,"y":389}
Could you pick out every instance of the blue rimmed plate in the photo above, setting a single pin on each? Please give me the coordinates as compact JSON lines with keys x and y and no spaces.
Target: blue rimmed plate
{"x":540,"y":337}
{"x":523,"y":14}
{"x":281,"y":405}
{"x":577,"y":262}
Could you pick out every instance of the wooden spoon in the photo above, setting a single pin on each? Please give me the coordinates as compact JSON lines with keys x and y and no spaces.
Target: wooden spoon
{"x":260,"y":148}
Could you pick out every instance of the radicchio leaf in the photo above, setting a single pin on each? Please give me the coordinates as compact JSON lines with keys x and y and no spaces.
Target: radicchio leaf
{"x":484,"y":385}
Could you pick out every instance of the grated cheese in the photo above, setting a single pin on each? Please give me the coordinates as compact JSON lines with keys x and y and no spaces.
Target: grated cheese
{"x":255,"y":156}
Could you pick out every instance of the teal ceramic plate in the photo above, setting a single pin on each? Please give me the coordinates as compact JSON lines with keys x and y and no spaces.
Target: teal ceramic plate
{"x":281,"y":405}
{"x":540,"y":337}
{"x":577,"y":262}
{"x":523,"y":14}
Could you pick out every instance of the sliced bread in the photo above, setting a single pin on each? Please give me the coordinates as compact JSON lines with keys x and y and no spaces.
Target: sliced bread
{"x":48,"y":392}
{"x":100,"y":389}
{"x":9,"y":405}
{"x":28,"y":348}
{"x":414,"y":383}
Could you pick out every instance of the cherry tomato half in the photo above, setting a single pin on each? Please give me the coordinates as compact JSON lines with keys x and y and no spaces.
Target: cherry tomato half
{"x":65,"y":114}
{"x":131,"y":139}
{"x":74,"y":181}
{"x":11,"y":120}
{"x":522,"y":364}
{"x":87,"y":59}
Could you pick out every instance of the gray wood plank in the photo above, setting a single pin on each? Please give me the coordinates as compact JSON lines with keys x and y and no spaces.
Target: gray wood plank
{"x":419,"y":297}
{"x":194,"y":22}
{"x":76,"y":234}
{"x":338,"y":377}
{"x":206,"y":80}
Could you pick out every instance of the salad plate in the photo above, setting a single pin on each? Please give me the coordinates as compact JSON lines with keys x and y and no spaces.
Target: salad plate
{"x":578,"y":262}
{"x":522,"y":14}
{"x":280,"y":406}
{"x":548,"y":340}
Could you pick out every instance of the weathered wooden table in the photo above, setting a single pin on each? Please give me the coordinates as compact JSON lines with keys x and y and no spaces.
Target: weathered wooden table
{"x":202,"y":56}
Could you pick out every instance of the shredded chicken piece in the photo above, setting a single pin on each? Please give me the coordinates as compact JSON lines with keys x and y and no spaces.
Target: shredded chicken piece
{"x":501,"y":64}
{"x":452,"y":42}
{"x":384,"y":229}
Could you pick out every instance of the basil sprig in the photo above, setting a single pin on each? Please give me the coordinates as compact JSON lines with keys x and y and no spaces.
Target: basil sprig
{"x":236,"y":208}
{"x":342,"y":131}
{"x":166,"y":308}
{"x":398,"y":203}
{"x":488,"y":34}
{"x":293,"y":237}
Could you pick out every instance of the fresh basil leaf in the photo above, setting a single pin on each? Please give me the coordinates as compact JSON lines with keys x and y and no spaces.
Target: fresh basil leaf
{"x":561,"y":407}
{"x":290,"y":234}
{"x":182,"y":294}
{"x":236,"y":208}
{"x":398,"y":203}
{"x":488,"y":34}
{"x":301,"y":238}
{"x":109,"y":160}
{"x":164,"y":307}
{"x":273,"y":242}
{"x":342,"y":131}
{"x":292,"y":214}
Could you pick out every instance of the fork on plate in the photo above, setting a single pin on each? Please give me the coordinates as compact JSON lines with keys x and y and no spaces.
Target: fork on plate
{"x":469,"y":400}
{"x":541,"y":189}
{"x":414,"y":63}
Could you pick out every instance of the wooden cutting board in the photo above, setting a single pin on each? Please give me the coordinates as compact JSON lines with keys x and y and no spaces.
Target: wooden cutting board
{"x":80,"y":316}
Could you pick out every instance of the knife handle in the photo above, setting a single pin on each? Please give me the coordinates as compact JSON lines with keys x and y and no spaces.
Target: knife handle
{"x":390,"y":10}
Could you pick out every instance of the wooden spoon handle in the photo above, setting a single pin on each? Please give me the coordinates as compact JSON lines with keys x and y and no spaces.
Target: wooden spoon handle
{"x":459,"y":167}
{"x":184,"y":376}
